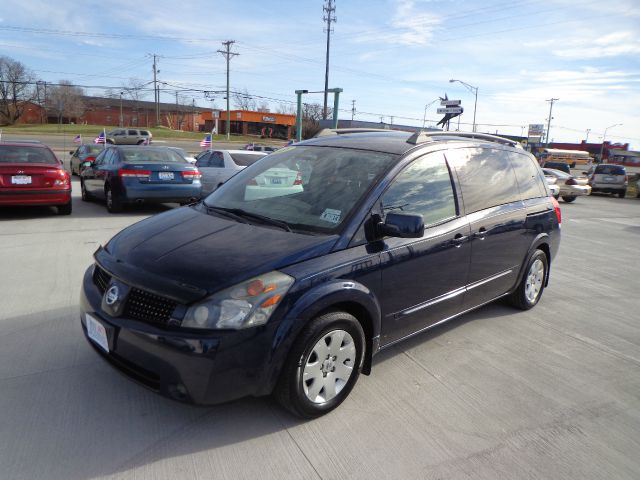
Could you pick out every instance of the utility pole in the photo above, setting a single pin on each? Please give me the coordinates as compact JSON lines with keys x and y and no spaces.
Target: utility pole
{"x":177,"y":123}
{"x":586,"y":140}
{"x":551,"y":100}
{"x":328,"y":9}
{"x":228,"y":55}
{"x":353,"y":109}
{"x":156,"y":91}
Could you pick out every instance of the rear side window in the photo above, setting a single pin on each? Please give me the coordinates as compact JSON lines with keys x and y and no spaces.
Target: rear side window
{"x":530,"y":180}
{"x":486,"y":177}
{"x":245,"y":159}
{"x":423,"y":188}
{"x":610,"y":170}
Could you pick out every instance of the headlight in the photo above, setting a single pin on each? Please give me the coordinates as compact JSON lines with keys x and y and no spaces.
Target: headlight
{"x":247,"y":304}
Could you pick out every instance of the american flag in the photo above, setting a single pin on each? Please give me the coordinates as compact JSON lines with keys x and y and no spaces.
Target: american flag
{"x":77,"y":139}
{"x":146,"y":141}
{"x":206,"y":143}
{"x":99,"y":138}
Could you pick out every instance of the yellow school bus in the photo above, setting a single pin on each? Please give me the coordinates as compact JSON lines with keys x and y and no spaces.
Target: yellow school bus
{"x":570,"y":157}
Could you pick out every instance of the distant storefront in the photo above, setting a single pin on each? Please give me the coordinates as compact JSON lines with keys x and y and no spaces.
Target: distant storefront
{"x":247,"y":122}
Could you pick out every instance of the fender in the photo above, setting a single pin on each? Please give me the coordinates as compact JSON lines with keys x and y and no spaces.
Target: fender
{"x":339,"y":293}
{"x":541,"y":239}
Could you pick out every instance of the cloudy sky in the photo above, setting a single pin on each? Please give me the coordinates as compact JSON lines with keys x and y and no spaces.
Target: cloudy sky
{"x":393,"y":57}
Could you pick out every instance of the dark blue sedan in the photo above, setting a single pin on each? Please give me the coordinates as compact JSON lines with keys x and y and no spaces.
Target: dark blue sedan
{"x":124,"y":175}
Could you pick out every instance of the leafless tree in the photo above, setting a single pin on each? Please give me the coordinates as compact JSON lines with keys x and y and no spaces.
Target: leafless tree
{"x":243,"y":100}
{"x":286,"y":108}
{"x":65,"y":100}
{"x":311,"y":116}
{"x":264,"y":106}
{"x":111,"y":93}
{"x":16,"y":88}
{"x":134,"y":89}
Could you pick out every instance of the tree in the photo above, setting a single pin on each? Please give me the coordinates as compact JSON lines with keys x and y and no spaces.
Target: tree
{"x":243,"y":100}
{"x":311,"y":116}
{"x":16,"y":89}
{"x":264,"y":106}
{"x":65,"y":100}
{"x":286,"y":108}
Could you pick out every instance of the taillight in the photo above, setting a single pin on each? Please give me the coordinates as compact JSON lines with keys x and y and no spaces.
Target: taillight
{"x":626,"y":179}
{"x":191,"y":174}
{"x":252,"y":182}
{"x":298,"y":180}
{"x":571,"y":181}
{"x":124,"y":172}
{"x":556,"y":207}
{"x":64,"y":179}
{"x":90,"y":159}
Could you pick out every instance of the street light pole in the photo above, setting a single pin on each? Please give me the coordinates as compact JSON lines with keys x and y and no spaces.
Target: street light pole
{"x":121,"y":117}
{"x":603,"y":138}
{"x":473,"y":90}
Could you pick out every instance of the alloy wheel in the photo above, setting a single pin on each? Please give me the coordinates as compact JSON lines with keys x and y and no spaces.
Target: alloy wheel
{"x":535,"y":277}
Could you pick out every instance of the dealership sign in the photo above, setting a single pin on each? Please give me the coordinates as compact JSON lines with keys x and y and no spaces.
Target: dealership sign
{"x":450,"y":103}
{"x":450,"y":110}
{"x":268,"y":119}
{"x":536,"y":129}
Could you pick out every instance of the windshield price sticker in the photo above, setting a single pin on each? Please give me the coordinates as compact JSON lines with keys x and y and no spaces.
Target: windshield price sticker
{"x":331,"y":215}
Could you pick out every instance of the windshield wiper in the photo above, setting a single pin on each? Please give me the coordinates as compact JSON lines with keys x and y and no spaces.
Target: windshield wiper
{"x":242,"y":213}
{"x":225,"y":212}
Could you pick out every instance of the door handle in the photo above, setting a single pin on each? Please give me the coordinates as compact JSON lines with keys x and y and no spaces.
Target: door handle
{"x":480,"y":234}
{"x":459,"y":239}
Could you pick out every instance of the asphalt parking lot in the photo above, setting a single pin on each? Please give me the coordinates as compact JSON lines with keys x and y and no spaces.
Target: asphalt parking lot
{"x":549,"y":393}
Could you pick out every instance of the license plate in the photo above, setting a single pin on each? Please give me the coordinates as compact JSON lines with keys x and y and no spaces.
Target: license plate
{"x":608,"y":179}
{"x":21,"y":180}
{"x":165,"y":175}
{"x":97,"y":332}
{"x":276,"y":181}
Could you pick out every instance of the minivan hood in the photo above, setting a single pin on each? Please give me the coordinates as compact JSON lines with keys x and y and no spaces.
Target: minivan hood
{"x":189,"y":247}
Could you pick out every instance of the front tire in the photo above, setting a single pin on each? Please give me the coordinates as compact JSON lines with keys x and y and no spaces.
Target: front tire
{"x":531,"y":286}
{"x":568,"y":199}
{"x":323,"y":365}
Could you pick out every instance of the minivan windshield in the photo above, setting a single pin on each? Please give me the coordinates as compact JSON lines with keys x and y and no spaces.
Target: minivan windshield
{"x":304,"y":187}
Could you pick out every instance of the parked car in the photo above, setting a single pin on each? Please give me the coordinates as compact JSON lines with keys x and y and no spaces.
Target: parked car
{"x":294,"y":294}
{"x":563,"y":167}
{"x":128,"y":136}
{"x":82,"y":154}
{"x":183,"y":153}
{"x":217,"y":166}
{"x":124,"y":175}
{"x":31,"y":174}
{"x":570,"y":186}
{"x":553,"y":188}
{"x":259,"y":148}
{"x":607,"y":178}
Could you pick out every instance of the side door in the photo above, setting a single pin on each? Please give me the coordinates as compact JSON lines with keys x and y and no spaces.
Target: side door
{"x":132,"y":137}
{"x":102,"y":173}
{"x":89,"y":174}
{"x":423,"y":279}
{"x":497,"y":217}
{"x":215,"y":170}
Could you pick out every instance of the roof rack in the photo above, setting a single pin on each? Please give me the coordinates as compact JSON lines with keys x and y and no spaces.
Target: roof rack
{"x":342,"y":131}
{"x":422,"y":137}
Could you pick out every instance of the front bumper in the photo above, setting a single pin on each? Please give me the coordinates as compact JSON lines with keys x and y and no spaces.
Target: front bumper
{"x":575,"y":190}
{"x":203,"y":368}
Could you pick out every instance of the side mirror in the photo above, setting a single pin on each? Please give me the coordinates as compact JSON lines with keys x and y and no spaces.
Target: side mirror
{"x":403,"y":225}
{"x":71,"y":152}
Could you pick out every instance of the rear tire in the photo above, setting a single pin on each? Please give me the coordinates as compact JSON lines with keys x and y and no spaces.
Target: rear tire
{"x":569,"y":199}
{"x":530,"y":288}
{"x":323,"y":365}
{"x":64,"y":209}
{"x":114,"y":202}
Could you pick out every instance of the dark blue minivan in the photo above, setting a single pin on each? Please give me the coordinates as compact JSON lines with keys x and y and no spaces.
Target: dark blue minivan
{"x":290,"y":277}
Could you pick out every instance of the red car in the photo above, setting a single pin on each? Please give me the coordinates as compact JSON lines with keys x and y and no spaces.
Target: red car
{"x":31,"y":174}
